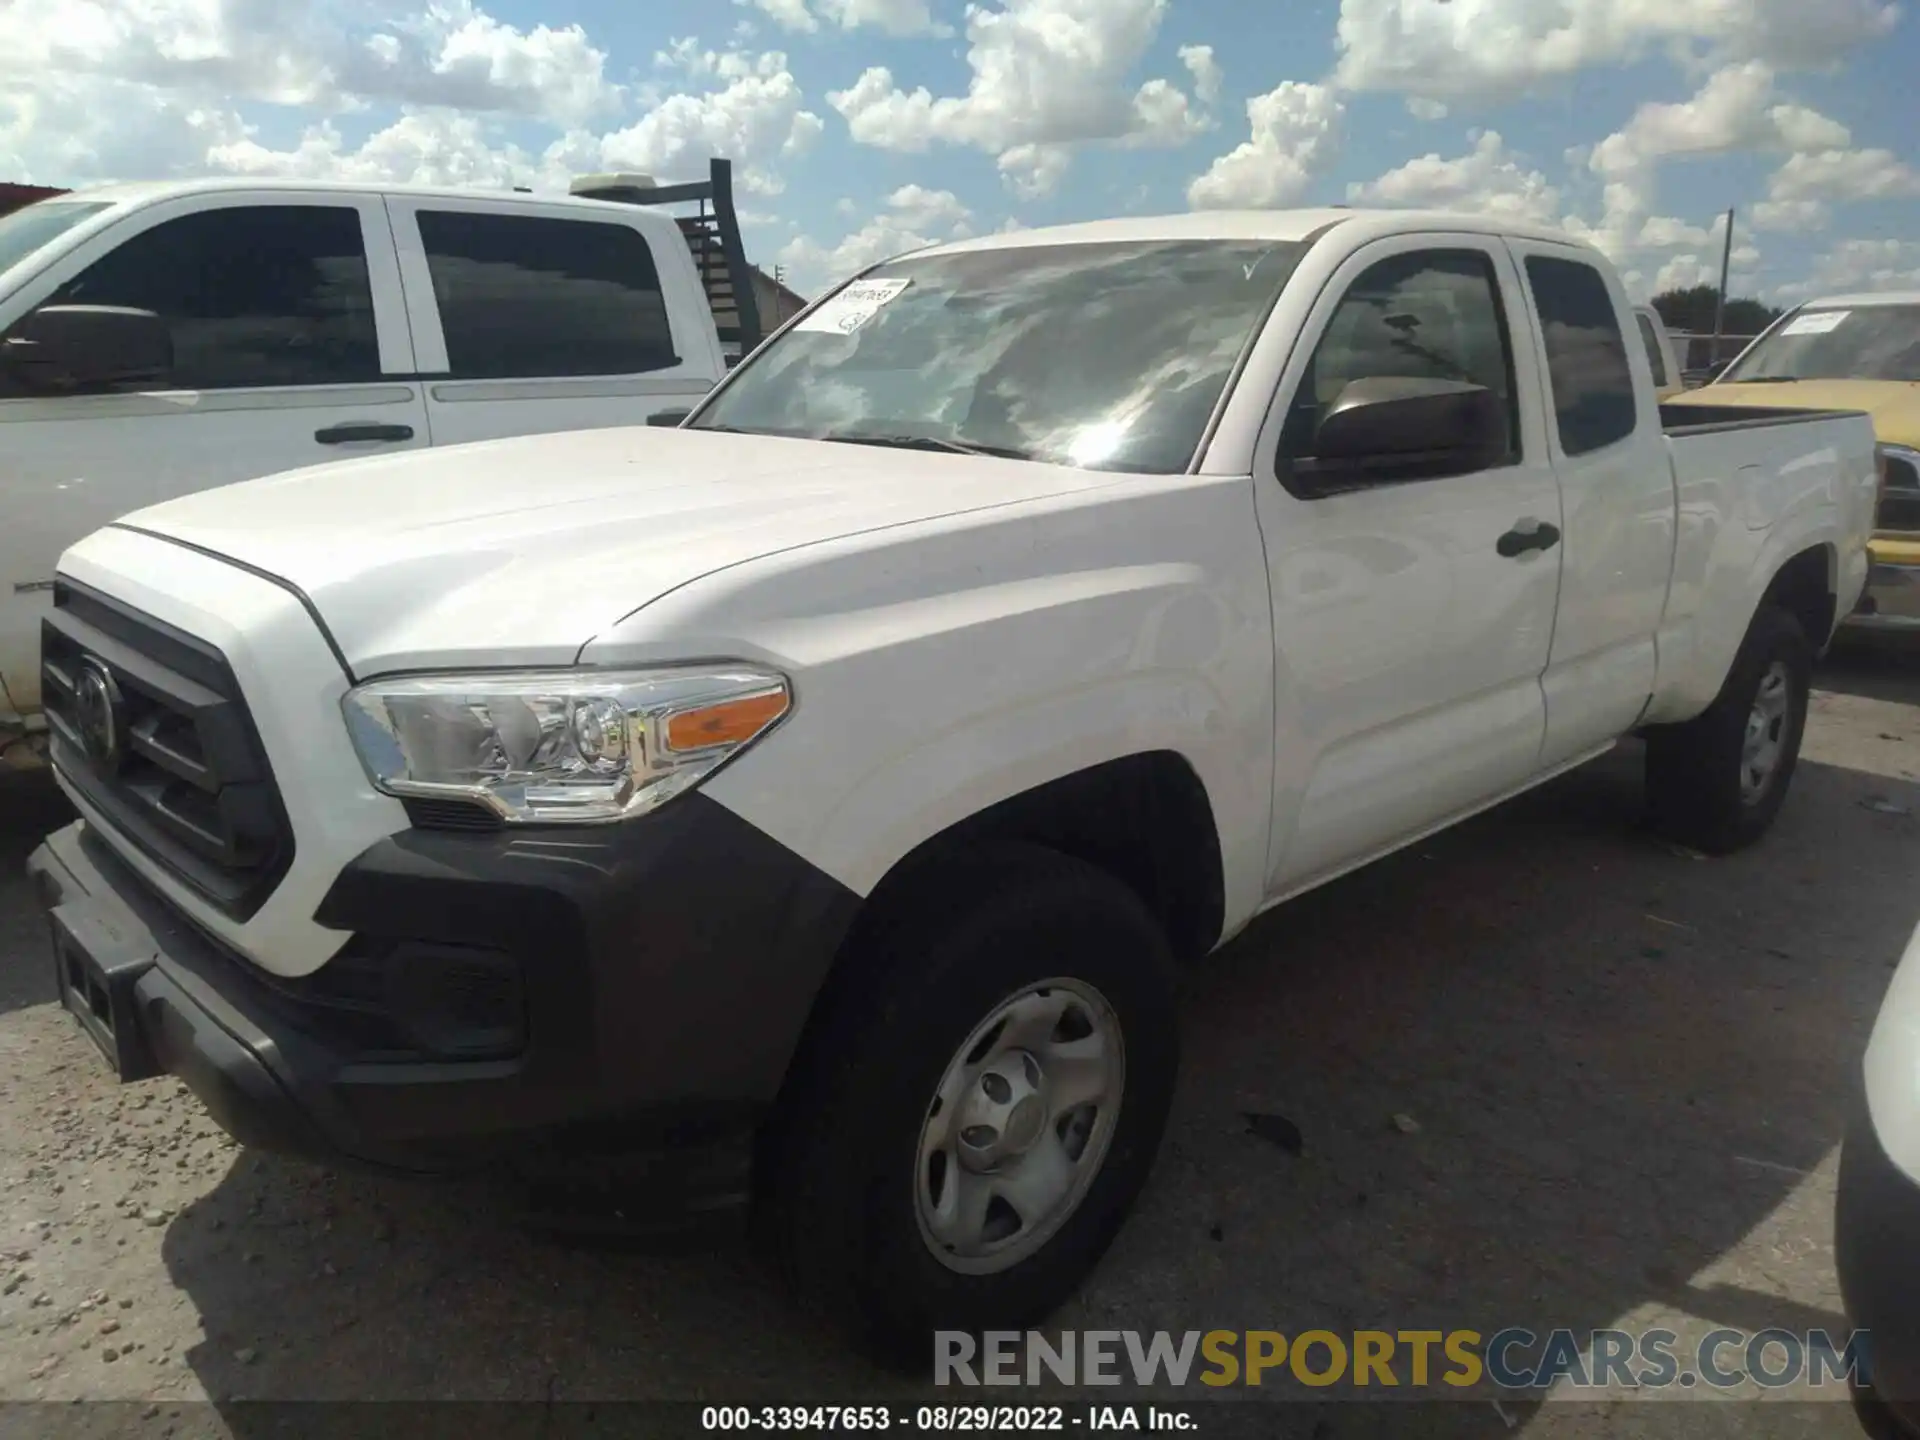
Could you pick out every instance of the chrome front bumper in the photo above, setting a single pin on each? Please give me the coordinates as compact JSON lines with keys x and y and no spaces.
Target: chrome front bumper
{"x":1891,"y":600}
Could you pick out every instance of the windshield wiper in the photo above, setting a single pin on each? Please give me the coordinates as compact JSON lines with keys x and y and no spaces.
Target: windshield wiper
{"x":929,"y":442}
{"x":1765,"y":380}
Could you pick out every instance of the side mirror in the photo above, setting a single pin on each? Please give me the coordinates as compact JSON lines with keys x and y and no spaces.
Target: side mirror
{"x":63,"y":348}
{"x":1388,"y":428}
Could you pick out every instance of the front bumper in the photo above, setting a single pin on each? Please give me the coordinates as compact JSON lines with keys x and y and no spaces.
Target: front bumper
{"x":1877,"y":1255}
{"x":1891,"y":601}
{"x":663,"y":971}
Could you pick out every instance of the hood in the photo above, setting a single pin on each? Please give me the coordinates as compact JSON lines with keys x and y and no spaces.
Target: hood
{"x":1894,"y":404}
{"x":518,"y":552}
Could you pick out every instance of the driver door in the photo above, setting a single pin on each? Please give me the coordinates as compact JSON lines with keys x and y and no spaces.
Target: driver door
{"x":1409,"y":647}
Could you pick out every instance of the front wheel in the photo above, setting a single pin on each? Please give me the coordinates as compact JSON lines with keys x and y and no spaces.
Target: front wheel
{"x":982,"y":1106}
{"x":1718,"y":781}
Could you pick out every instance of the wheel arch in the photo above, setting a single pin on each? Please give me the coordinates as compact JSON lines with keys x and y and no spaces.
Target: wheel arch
{"x":1144,"y":819}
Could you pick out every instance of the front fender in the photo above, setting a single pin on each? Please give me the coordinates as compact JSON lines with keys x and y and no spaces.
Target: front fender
{"x":939,"y":669}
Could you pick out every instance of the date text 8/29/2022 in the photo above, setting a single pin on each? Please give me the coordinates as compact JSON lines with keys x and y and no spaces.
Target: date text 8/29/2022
{"x":944,"y":1418}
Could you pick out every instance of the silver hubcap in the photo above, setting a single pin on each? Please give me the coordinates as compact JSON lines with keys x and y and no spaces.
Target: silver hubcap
{"x":1019,"y":1126}
{"x":1765,"y":740}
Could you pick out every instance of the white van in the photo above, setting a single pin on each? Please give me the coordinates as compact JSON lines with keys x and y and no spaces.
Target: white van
{"x":158,"y":339}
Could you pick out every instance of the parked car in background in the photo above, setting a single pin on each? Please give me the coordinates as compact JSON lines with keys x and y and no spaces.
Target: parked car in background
{"x":161,"y":339}
{"x":826,"y":792}
{"x":1855,"y":352}
{"x":1661,"y":355}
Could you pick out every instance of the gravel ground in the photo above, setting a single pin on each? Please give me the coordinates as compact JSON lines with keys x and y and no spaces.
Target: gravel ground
{"x":1619,"y":1070}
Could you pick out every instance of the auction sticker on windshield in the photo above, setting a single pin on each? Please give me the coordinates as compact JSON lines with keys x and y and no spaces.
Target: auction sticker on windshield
{"x":1815,"y":322}
{"x":854,"y":306}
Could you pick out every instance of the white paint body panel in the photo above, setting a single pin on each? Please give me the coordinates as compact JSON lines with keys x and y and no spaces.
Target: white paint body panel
{"x":1343,"y":674}
{"x":293,"y":687}
{"x":71,"y":464}
{"x":1615,"y":553}
{"x":1893,"y":1065}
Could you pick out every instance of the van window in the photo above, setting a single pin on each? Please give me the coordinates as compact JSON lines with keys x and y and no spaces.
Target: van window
{"x":522,"y":296}
{"x":1656,"y":356}
{"x":255,"y":295}
{"x":1593,"y":399}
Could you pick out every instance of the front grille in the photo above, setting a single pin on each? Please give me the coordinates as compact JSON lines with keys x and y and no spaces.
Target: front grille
{"x":1900,"y":500}
{"x":184,"y":777}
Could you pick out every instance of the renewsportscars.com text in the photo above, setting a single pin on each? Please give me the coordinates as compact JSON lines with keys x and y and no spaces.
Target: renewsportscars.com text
{"x":1514,"y":1358}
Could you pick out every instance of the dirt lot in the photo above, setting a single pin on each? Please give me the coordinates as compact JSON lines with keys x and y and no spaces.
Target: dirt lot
{"x":1625,"y":1067}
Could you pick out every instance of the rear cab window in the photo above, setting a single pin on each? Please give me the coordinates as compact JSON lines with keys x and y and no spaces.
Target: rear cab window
{"x":1594,"y":404}
{"x":527,"y":296}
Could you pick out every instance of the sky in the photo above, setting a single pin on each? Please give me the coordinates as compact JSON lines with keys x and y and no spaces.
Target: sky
{"x":860,"y":128}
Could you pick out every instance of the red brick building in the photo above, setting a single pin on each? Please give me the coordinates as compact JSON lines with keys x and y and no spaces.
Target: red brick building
{"x":12,"y":197}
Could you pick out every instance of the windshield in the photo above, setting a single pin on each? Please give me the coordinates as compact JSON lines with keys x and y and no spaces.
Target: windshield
{"x":27,"y":229}
{"x":1873,"y":342}
{"x":1106,"y":356}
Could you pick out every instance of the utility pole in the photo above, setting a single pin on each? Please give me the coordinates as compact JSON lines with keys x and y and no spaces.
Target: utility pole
{"x":1720,"y":303}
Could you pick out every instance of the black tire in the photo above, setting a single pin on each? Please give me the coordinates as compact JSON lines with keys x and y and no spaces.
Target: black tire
{"x":925,"y":974}
{"x":1694,"y":771}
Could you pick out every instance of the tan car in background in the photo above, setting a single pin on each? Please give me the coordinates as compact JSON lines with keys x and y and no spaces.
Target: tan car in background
{"x":1853,"y":352}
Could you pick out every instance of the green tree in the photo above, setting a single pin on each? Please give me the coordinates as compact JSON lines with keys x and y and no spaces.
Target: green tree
{"x":1691,"y":310}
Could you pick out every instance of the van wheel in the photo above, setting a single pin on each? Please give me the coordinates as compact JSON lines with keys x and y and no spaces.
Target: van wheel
{"x":979,"y":1109}
{"x":1716,"y":782}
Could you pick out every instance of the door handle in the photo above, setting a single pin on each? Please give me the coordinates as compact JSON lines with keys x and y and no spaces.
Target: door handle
{"x":349,"y":433}
{"x":1528,"y":534}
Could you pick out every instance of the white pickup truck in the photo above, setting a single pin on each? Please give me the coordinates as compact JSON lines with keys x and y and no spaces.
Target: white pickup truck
{"x":161,"y":339}
{"x":817,"y":800}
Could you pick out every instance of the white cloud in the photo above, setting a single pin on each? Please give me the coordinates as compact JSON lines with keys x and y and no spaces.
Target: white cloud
{"x":1845,"y":175}
{"x":1736,"y":109}
{"x":756,"y":117}
{"x":1205,"y":70}
{"x":1733,"y":110}
{"x":787,"y":14}
{"x":58,"y":129}
{"x":1034,"y":171}
{"x":1682,"y":272}
{"x":421,"y":148}
{"x":299,"y":52}
{"x":1163,"y":115}
{"x":895,"y":17}
{"x":913,"y":217}
{"x":1789,"y":217}
{"x":924,"y":209}
{"x":1485,"y":51}
{"x":1294,"y":135}
{"x":1883,"y":264}
{"x":1488,"y":179}
{"x":1045,"y":74}
{"x":1421,"y":108}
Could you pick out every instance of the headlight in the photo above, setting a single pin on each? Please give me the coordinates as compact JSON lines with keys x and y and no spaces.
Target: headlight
{"x":576,"y":746}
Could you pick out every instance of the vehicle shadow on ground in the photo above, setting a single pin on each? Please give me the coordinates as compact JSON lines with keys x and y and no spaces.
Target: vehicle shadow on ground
{"x":1885,"y":667}
{"x":1618,"y":1059}
{"x":30,"y":806}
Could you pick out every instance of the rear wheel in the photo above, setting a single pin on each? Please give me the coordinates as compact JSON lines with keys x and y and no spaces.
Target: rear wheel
{"x":1717,"y":781}
{"x":982,"y":1106}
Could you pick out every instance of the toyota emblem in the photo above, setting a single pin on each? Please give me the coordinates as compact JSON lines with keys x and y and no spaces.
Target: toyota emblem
{"x":100,"y":714}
